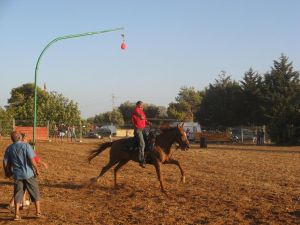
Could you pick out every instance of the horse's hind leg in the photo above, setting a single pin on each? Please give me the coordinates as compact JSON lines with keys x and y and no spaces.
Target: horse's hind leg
{"x":104,"y":170}
{"x":120,"y":164}
{"x":173,"y":161}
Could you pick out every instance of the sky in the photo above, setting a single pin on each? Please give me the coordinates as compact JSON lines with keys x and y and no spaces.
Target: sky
{"x":170,"y":44}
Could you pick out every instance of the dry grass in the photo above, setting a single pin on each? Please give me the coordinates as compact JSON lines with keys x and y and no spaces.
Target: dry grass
{"x":225,"y":185}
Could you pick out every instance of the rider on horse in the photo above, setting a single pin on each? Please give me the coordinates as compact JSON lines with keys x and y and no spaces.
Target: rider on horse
{"x":139,"y":122}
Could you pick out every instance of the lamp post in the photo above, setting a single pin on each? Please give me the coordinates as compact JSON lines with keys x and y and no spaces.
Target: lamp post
{"x":40,"y":57}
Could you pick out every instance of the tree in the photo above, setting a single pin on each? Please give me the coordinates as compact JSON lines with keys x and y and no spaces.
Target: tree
{"x":126,"y":109}
{"x":5,"y":121}
{"x":100,"y":119}
{"x":151,"y":111}
{"x":221,"y":103}
{"x":61,"y":110}
{"x":21,"y":103}
{"x":179,"y":111}
{"x":252,"y":99}
{"x":115,"y":117}
{"x":51,"y":106}
{"x":282,"y":91}
{"x":163,"y":113}
{"x":186,"y":105}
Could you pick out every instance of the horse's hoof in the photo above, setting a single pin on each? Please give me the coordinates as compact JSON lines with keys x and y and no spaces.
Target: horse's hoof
{"x":94,"y":180}
{"x":183,"y":179}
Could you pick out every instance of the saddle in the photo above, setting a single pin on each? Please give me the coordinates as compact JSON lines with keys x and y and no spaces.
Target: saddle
{"x":149,"y":138}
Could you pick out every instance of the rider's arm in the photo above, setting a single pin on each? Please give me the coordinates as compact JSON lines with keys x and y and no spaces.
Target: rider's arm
{"x":148,"y":123}
{"x":135,"y":112}
{"x":139,"y":115}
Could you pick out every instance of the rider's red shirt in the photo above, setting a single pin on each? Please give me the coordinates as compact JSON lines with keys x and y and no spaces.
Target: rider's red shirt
{"x":136,"y":120}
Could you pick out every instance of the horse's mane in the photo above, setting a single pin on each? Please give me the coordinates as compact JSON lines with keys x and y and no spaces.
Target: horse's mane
{"x":163,"y":131}
{"x":166,"y":129}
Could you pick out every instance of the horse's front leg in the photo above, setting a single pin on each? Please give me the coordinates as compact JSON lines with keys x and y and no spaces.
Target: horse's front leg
{"x":173,"y":161}
{"x":157,"y":165}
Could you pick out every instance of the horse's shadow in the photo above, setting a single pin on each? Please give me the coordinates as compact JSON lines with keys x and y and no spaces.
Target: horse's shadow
{"x":85,"y":185}
{"x":5,"y":212}
{"x":2,"y":183}
{"x":295,"y":213}
{"x":63,"y":185}
{"x":3,"y":206}
{"x":6,"y":219}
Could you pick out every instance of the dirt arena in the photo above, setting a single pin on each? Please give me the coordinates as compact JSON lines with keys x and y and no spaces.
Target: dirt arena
{"x":224,"y":185}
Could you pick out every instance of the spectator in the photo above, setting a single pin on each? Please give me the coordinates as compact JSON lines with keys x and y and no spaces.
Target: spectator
{"x":55,"y":132}
{"x":258,"y":136}
{"x":262,"y":137}
{"x":73,"y":133}
{"x":39,"y":162}
{"x":62,"y":131}
{"x":19,"y":157}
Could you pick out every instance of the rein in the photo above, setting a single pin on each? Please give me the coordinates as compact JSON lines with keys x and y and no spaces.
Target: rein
{"x":166,"y":139}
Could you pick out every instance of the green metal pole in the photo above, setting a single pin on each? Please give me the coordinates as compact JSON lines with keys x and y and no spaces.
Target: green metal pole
{"x":40,"y":57}
{"x":80,"y":135}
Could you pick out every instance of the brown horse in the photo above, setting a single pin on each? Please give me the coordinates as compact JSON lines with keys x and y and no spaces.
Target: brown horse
{"x":160,"y":154}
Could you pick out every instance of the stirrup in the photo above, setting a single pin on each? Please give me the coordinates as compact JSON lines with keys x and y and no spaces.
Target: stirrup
{"x":142,"y":164}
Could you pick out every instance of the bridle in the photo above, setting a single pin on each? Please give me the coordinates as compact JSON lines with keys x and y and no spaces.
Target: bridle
{"x":183,"y":144}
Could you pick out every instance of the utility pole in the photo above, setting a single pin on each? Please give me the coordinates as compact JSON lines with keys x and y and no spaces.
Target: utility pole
{"x":113,"y":97}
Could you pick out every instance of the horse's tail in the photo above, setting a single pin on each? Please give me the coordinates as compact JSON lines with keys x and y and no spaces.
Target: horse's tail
{"x":97,"y":151}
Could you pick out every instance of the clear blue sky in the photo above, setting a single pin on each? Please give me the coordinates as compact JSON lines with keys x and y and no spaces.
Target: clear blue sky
{"x":171,"y":43}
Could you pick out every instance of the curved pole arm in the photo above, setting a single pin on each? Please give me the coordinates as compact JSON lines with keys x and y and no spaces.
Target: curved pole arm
{"x":38,"y":62}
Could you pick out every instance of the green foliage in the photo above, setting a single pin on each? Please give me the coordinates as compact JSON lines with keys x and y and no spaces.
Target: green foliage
{"x":221,"y":103}
{"x":126,"y":109}
{"x":51,"y":106}
{"x":281,"y":92}
{"x":151,"y":111}
{"x":113,"y":117}
{"x":116,"y":117}
{"x":252,"y":99}
{"x":272,"y":100}
{"x":61,"y":109}
{"x":186,"y":105}
{"x":5,"y":121}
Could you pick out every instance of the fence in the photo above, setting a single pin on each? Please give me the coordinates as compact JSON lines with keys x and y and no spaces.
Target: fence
{"x":241,"y":134}
{"x":250,"y":134}
{"x":42,"y":133}
{"x":25,"y":126}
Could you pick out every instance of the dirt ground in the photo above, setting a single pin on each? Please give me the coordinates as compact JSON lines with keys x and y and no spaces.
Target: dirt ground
{"x":225,"y":184}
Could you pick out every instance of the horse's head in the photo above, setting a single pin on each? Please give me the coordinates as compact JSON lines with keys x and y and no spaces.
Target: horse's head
{"x":181,"y":138}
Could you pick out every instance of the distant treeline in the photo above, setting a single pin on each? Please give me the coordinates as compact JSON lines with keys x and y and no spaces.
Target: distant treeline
{"x":271,"y":99}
